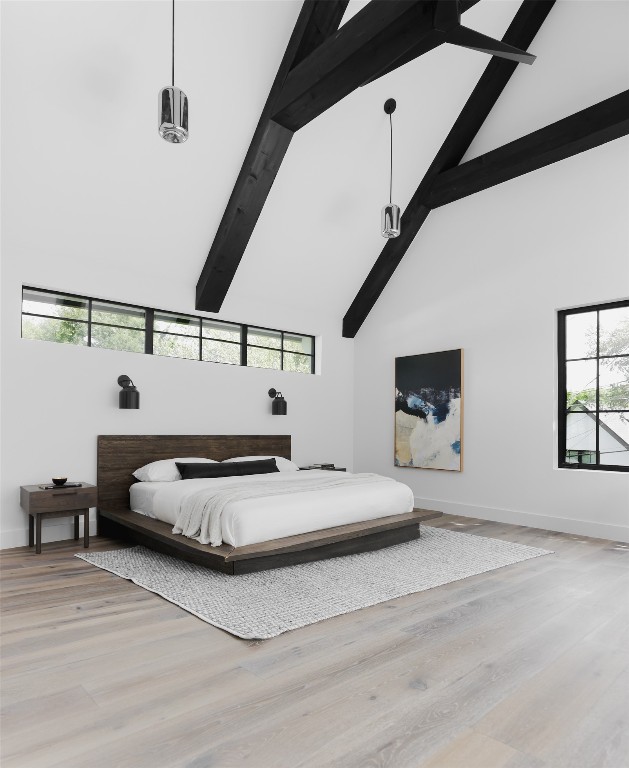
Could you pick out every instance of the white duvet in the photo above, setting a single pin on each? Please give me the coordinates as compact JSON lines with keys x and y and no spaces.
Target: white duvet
{"x":255,"y":508}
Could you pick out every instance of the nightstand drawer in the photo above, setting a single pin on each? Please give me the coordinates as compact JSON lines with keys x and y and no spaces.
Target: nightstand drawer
{"x":64,"y":498}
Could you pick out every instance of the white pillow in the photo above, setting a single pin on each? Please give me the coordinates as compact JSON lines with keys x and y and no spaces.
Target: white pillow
{"x":165,"y":471}
{"x":284,"y":465}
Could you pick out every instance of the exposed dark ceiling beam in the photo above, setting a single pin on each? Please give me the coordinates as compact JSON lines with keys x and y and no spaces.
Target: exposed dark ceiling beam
{"x":461,"y":36}
{"x":521,"y":32}
{"x":470,"y":38}
{"x":317,"y":20}
{"x":376,"y":36}
{"x":366,"y":46}
{"x":591,"y":127}
{"x":447,"y":19}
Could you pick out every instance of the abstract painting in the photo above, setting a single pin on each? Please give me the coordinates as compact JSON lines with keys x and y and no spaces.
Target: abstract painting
{"x":428,"y":410}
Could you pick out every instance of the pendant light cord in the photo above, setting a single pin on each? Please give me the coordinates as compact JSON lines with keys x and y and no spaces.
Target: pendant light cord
{"x":391,"y":172}
{"x":173,"y":68}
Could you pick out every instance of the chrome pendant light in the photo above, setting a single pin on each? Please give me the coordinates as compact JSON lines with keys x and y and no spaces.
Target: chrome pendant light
{"x":173,"y":106}
{"x":390,"y":212}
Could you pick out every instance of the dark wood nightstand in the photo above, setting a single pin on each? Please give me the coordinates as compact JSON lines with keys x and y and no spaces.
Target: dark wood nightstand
{"x":326,"y":469}
{"x":57,"y":502}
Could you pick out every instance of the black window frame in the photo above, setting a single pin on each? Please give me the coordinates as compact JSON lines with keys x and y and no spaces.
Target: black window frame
{"x":92,"y":323}
{"x":150,"y":332}
{"x":562,"y":389}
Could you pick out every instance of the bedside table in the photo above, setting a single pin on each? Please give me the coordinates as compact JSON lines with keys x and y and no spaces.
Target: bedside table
{"x":326,"y":469}
{"x":57,"y":502}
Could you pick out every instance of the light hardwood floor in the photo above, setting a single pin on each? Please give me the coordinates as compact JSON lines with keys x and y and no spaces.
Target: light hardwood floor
{"x":523,"y":667}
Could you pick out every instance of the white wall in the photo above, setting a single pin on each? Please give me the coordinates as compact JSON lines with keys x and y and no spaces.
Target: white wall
{"x":95,"y":203}
{"x":487,"y":274}
{"x":57,"y":398}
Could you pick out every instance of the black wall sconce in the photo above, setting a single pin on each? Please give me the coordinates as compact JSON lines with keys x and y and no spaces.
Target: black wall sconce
{"x":278,"y":408}
{"x":129,"y":396}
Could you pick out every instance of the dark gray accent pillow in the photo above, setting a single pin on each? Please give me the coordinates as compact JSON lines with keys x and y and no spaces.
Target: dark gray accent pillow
{"x":230,"y":469}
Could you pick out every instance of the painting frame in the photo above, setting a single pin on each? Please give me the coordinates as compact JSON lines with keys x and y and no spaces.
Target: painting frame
{"x":428,"y":417}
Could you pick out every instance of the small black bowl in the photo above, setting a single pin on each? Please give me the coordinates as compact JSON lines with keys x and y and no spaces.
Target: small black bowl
{"x":59,"y":480}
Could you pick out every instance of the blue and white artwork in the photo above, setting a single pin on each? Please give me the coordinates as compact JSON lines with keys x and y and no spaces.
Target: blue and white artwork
{"x":428,"y":410}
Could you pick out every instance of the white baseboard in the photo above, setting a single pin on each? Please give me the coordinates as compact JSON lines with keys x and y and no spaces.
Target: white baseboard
{"x":52,"y":530}
{"x":530,"y":519}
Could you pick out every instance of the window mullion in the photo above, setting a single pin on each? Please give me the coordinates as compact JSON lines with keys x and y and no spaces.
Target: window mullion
{"x":562,"y":389}
{"x":598,"y":363}
{"x":149,"y":327}
{"x":244,"y":332}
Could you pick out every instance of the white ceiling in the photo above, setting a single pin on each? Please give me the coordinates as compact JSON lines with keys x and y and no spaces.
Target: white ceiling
{"x":84,"y":169}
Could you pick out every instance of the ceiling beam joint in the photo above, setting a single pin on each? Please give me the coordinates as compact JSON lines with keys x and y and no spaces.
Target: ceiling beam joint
{"x":589,"y":128}
{"x":521,"y":33}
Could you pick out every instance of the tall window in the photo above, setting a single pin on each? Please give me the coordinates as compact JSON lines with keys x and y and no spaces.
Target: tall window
{"x":70,"y":319}
{"x":594,"y":387}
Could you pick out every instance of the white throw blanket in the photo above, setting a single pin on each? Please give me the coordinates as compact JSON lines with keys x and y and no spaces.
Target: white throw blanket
{"x":200,"y":514}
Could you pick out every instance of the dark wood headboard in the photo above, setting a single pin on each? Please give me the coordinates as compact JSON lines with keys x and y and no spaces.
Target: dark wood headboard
{"x":120,"y":455}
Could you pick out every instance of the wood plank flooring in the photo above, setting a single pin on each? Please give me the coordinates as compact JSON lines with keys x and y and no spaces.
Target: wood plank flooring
{"x":523,"y":667}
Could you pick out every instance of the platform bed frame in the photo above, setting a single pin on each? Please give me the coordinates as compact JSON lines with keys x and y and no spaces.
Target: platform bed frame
{"x":120,"y":455}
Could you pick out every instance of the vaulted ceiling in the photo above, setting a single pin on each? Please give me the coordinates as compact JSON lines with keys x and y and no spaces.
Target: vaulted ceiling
{"x":324,"y":64}
{"x":82,"y":79}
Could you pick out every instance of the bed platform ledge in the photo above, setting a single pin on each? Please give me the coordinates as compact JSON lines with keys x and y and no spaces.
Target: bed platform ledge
{"x":349,"y":539}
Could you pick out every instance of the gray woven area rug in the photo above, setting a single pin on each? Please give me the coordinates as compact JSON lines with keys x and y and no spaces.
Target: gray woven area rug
{"x":265,"y":604}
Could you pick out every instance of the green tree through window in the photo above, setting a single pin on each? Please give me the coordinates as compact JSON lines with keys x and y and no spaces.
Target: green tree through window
{"x":67,"y":319}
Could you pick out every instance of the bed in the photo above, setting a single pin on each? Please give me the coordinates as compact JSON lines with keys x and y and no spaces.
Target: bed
{"x":240,"y":551}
